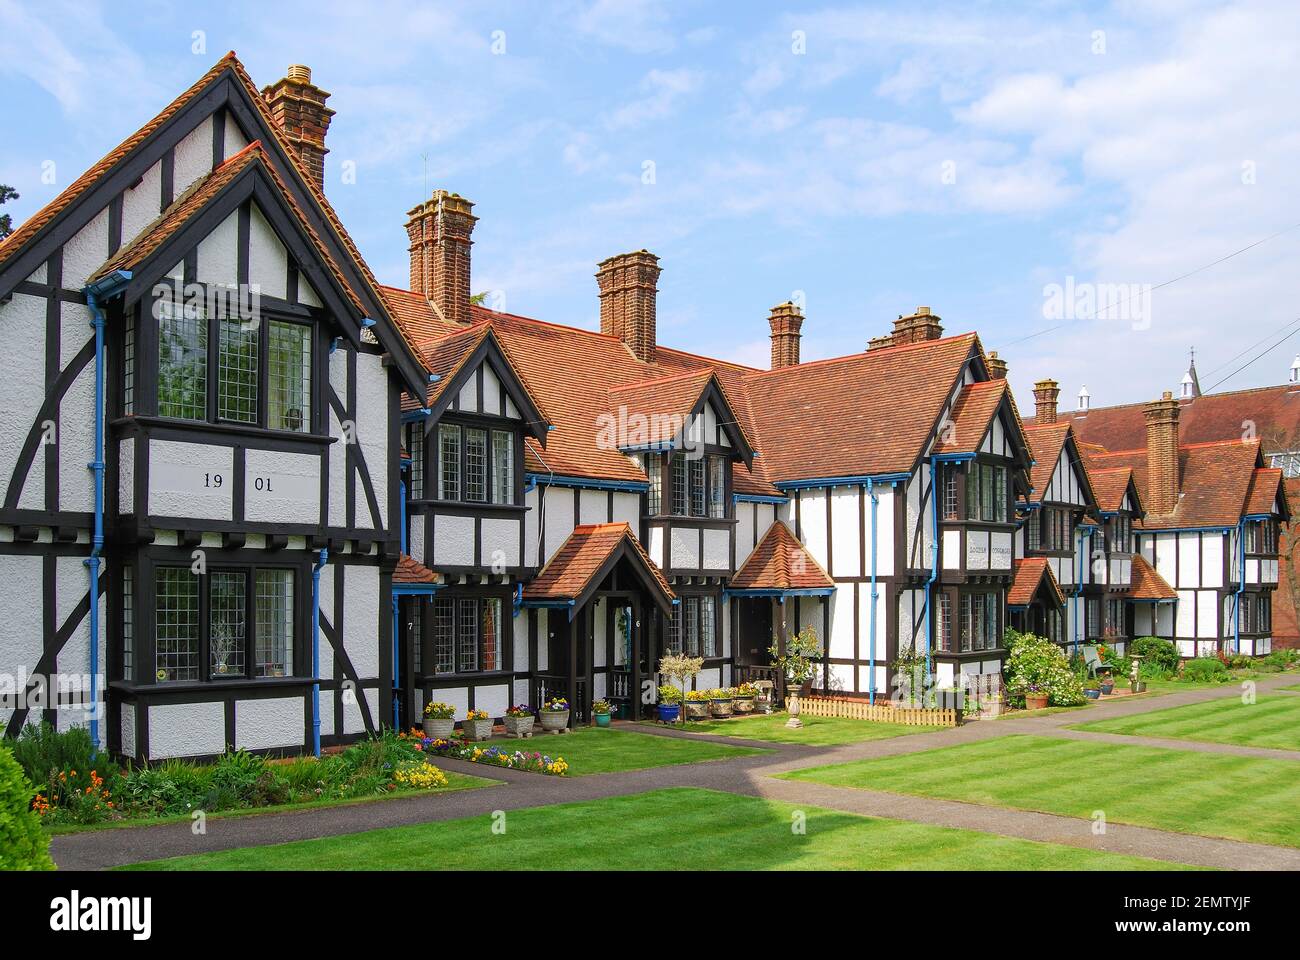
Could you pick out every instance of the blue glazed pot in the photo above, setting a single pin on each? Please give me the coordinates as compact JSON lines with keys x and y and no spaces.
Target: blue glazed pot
{"x":669,"y":712}
{"x":602,"y":719}
{"x":1092,"y":694}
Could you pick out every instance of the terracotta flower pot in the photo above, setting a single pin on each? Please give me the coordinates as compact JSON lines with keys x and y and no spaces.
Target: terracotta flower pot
{"x":1036,"y":701}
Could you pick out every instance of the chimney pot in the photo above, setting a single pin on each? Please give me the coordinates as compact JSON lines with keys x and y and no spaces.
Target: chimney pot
{"x":1045,"y":394}
{"x":785,"y":321}
{"x":439,"y":230}
{"x":298,"y":110}
{"x":629,"y":290}
{"x":997,"y":367}
{"x":299,"y":73}
{"x":1162,"y":454}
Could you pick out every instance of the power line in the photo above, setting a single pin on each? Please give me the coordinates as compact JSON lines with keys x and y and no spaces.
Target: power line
{"x":1253,"y":360}
{"x":1184,"y":276}
{"x":1266,"y":336}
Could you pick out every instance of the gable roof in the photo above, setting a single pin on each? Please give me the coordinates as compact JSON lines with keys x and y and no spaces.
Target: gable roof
{"x":1214,"y":480}
{"x":411,"y":571}
{"x":867,"y":414}
{"x":780,"y":563}
{"x":1267,"y":492}
{"x":1146,"y":584}
{"x":668,"y":403}
{"x":1030,"y":576}
{"x":225,"y":86}
{"x":971,"y":416}
{"x":577,"y":568}
{"x":1110,"y":484}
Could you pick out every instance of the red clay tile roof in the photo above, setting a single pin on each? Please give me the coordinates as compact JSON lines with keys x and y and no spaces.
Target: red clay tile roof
{"x":972,"y":414}
{"x":1146,"y":584}
{"x":669,"y":400}
{"x":780,"y":562}
{"x":412,"y":571}
{"x":1045,"y":442}
{"x":1214,"y":480}
{"x":869,"y":413}
{"x":412,"y":311}
{"x":1274,"y":412}
{"x":1266,"y":491}
{"x":1029,"y":575}
{"x":569,"y":572}
{"x":1109,"y":486}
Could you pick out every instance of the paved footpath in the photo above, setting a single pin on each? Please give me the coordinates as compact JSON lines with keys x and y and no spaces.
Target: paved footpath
{"x":749,"y":775}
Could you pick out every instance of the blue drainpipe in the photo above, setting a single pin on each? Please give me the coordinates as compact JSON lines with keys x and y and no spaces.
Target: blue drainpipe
{"x":934,"y":557}
{"x":95,"y":293}
{"x":321,"y":560}
{"x":396,"y":697}
{"x":1241,"y":584}
{"x":401,"y":505}
{"x":875,"y":502}
{"x":1084,"y":534}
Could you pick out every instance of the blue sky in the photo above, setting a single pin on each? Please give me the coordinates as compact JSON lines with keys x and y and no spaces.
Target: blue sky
{"x":872,"y":157}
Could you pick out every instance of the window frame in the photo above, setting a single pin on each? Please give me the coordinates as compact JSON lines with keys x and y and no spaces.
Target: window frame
{"x":691,"y":481}
{"x":436,"y":462}
{"x":702,"y":607}
{"x":211,"y":397}
{"x":475,"y":603}
{"x":295,"y":669}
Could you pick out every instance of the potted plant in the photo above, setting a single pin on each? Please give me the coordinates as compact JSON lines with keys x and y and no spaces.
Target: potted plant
{"x":799,"y":661}
{"x":439,"y":720}
{"x":555,"y":715}
{"x":742,"y":700}
{"x":697,"y":705}
{"x":670,"y":703}
{"x":600,"y":710}
{"x":477,"y":725}
{"x":1107,"y":684}
{"x":683,"y":669}
{"x":993,"y":705}
{"x":519,"y":721}
{"x":1035,"y":697}
{"x":720,"y":703}
{"x":1092,"y":689}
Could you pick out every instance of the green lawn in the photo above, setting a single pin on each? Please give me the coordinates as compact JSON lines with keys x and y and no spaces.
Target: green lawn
{"x":1242,"y":798}
{"x":816,"y":731}
{"x":594,"y":750}
{"x":455,"y":781}
{"x":664,"y":830}
{"x":1269,"y":722}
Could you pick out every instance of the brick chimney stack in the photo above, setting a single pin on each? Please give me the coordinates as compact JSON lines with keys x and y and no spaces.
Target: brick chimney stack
{"x":1045,"y":394}
{"x":921,"y":325}
{"x":298,"y":109}
{"x":785,"y":322}
{"x":439,"y":230}
{"x":1162,"y":455}
{"x":628,"y":291}
{"x":997,"y":367}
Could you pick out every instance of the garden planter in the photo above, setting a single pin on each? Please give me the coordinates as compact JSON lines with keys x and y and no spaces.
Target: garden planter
{"x":992,"y":708}
{"x":477,"y":729}
{"x":697,"y":709}
{"x":1035,"y":701}
{"x":519,"y":726}
{"x":669,"y":712}
{"x":438,"y":729}
{"x":602,"y":719}
{"x":743,"y":705}
{"x":1107,"y":687}
{"x":554,"y":721}
{"x":1092,"y":694}
{"x":1137,"y":686}
{"x":720,"y":708}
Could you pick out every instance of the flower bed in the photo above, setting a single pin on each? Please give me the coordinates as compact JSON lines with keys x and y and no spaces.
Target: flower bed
{"x":530,"y":760}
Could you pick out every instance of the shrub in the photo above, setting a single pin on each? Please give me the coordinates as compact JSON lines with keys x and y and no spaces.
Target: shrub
{"x":670,"y":694}
{"x":42,"y":751}
{"x":1038,"y":662}
{"x":1205,"y":670}
{"x":1156,"y":654}
{"x":23,"y":844}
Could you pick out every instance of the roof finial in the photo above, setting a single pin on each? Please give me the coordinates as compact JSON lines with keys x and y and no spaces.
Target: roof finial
{"x":1191,"y":385}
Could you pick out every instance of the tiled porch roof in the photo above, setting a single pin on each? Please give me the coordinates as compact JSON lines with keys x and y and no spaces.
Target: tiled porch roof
{"x":1030,"y":574}
{"x":1146,"y":584}
{"x":584,"y":556}
{"x":412,"y":571}
{"x":781,"y":563}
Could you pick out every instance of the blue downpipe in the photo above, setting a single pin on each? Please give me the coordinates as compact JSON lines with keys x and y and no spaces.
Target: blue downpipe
{"x":396,"y":697}
{"x":934,"y":558}
{"x":1241,"y":584}
{"x":97,"y":539}
{"x":1084,"y":534}
{"x":875,"y":502}
{"x":321,"y":560}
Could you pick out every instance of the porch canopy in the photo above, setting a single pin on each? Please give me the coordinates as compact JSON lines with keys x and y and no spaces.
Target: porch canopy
{"x":1032,"y":583}
{"x":573,"y":575}
{"x":780,"y":567}
{"x":1146,"y":585}
{"x":412,"y":578}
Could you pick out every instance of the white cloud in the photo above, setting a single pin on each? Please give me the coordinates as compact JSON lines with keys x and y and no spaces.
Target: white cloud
{"x":663,"y":89}
{"x":639,"y":26}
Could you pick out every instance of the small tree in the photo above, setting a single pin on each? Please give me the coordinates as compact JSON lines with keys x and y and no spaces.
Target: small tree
{"x":799,"y":662}
{"x":6,"y":223}
{"x":679,"y":667}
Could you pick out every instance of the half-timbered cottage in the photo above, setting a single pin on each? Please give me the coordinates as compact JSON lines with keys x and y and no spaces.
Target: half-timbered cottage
{"x":199,"y":474}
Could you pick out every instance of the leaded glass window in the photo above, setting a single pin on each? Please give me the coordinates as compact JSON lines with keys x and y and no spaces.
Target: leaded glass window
{"x":274,"y":623}
{"x":288,"y":376}
{"x":237,"y":371}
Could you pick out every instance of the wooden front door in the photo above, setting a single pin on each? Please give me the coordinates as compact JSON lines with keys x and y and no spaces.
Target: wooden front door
{"x":755,"y":633}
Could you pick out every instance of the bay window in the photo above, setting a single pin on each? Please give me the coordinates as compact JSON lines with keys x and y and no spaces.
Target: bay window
{"x":699,"y":486}
{"x":1261,"y":537}
{"x":231,"y":623}
{"x":979,"y":621}
{"x":986,"y":492}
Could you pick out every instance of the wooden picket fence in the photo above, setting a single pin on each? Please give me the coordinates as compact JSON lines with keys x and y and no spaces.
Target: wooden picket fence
{"x":853,"y":709}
